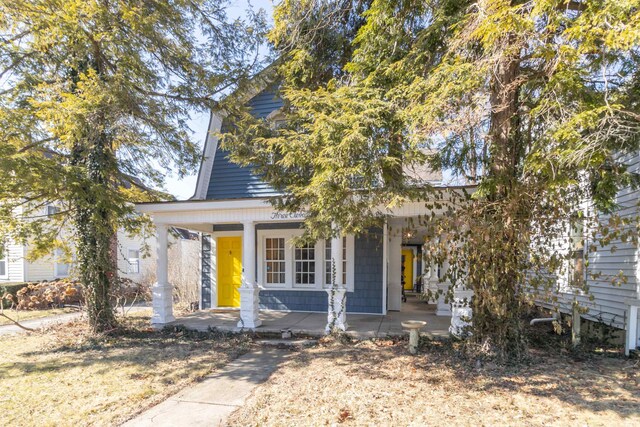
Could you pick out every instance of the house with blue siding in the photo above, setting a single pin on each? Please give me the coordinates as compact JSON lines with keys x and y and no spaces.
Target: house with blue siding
{"x":248,"y":257}
{"x":249,"y":260}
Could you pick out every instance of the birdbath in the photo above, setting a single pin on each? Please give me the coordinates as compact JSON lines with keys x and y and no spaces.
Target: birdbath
{"x":414,"y":333}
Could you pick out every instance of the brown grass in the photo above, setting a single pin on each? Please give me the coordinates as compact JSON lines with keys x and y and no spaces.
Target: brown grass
{"x":379,"y":383}
{"x":66,"y":377}
{"x":22,"y":315}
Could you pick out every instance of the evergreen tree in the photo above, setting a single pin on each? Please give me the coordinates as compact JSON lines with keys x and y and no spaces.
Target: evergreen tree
{"x":93,"y":108}
{"x":535,"y":101}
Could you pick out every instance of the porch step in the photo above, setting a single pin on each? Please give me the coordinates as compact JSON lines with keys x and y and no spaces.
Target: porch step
{"x":283,"y":343}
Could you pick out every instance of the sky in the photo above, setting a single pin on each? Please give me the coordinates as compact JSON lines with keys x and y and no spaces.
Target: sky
{"x":184,"y":188}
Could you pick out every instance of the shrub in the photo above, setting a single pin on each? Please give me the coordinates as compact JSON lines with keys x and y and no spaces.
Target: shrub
{"x":8,"y":294}
{"x":125,"y":291}
{"x":43,"y":295}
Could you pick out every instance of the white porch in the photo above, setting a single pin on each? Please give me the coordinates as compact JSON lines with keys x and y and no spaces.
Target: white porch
{"x":243,"y":218}
{"x":361,"y":326}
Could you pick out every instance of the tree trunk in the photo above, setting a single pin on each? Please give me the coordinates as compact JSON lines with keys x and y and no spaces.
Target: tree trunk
{"x":392,"y":174}
{"x":497,"y":305}
{"x":95,"y":230}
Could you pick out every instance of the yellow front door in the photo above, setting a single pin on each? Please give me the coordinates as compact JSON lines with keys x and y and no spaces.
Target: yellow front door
{"x":407,"y":269}
{"x":229,"y":271}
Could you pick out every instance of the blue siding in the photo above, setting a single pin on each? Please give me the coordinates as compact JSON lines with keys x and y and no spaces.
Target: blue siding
{"x":206,"y":271}
{"x":367,"y":295}
{"x":230,"y":181}
{"x":265,"y":103}
{"x":295,"y":300}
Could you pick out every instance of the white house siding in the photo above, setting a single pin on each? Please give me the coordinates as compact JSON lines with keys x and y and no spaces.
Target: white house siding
{"x":39,"y":269}
{"x":15,"y":263}
{"x":15,"y":258}
{"x":147,"y":260}
{"x":608,"y":300}
{"x":22,"y":270}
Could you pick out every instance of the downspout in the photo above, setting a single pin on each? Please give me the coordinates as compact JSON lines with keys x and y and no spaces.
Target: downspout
{"x":556,"y":316}
{"x":385,"y":266}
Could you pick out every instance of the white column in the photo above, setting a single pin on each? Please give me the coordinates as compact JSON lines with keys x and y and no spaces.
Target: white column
{"x":395,"y":270}
{"x":461,"y":312}
{"x":443,"y":307}
{"x":631,"y":341}
{"x":249,"y":291}
{"x":337,"y":294}
{"x":162,"y":290}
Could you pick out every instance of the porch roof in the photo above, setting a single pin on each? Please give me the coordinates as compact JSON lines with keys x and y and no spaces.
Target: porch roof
{"x":188,"y":213}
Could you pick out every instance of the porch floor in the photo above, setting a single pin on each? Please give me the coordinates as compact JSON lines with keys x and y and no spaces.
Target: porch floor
{"x":361,"y":326}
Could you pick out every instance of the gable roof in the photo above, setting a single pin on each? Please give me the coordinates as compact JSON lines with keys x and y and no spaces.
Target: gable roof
{"x":221,"y":179}
{"x":229,"y":180}
{"x":253,"y":92}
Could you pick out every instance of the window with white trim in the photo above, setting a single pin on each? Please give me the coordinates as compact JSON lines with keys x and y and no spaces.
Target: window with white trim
{"x":282,"y":265}
{"x":51,"y":210}
{"x":133,"y":258}
{"x":344,"y":260}
{"x":275,"y":261}
{"x":305,"y":265}
{"x":577,"y":270}
{"x":328,"y":270}
{"x":327,"y":261}
{"x":4,"y":265}
{"x":60,"y":269}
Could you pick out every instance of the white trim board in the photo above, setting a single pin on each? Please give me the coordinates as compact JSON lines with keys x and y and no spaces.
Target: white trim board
{"x":415,"y":261}
{"x":208,"y":156}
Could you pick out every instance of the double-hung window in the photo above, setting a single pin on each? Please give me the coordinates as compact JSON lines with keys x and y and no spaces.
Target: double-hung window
{"x":305,"y":265}
{"x":275,"y":261}
{"x":4,"y":265}
{"x":282,"y":264}
{"x":51,"y":210}
{"x":133,"y":259}
{"x":328,"y":267}
{"x":60,"y":268}
{"x":577,"y":270}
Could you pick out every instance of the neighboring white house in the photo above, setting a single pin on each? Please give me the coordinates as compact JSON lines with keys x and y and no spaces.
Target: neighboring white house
{"x":612,"y":304}
{"x":136,"y":258}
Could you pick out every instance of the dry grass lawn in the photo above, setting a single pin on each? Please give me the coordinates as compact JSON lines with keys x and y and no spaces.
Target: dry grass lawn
{"x":22,"y":315}
{"x":66,"y":378}
{"x":379,"y":384}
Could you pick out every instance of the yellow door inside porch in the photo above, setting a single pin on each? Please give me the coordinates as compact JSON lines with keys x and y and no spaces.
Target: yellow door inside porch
{"x":229,"y":271}
{"x":407,"y":269}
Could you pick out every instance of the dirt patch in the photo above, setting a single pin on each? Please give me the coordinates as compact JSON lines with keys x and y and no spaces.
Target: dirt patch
{"x":379,"y":383}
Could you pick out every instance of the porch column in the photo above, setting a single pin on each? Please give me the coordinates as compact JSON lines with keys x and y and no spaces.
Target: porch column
{"x":395,"y":270}
{"x":337,"y":311}
{"x":443,"y":308}
{"x":249,"y":290}
{"x":461,"y":311}
{"x":162,"y":290}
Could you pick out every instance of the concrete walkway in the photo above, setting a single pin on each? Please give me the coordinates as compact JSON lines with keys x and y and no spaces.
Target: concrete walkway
{"x":210,"y":402}
{"x":52,"y":320}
